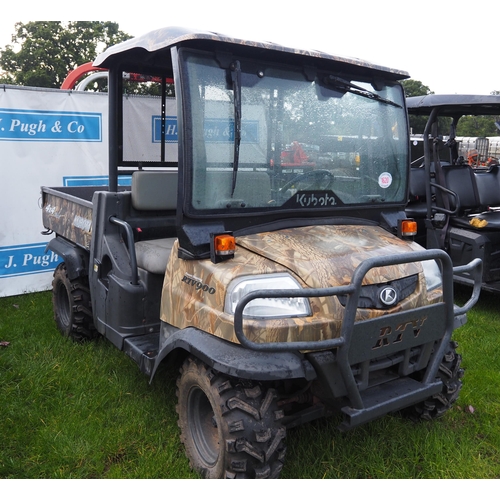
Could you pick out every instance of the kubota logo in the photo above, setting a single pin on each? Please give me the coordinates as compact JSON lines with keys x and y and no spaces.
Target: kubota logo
{"x":388,"y":296}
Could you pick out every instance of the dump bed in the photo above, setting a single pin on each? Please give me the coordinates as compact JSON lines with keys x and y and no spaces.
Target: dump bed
{"x":67,"y":211}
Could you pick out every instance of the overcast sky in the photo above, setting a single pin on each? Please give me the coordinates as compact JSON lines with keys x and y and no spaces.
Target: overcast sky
{"x":452,"y":47}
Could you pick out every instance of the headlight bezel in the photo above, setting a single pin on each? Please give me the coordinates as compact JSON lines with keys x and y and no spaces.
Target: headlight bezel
{"x":266,"y":308}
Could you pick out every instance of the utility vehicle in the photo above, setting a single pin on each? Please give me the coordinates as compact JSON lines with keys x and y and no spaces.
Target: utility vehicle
{"x":454,"y":187}
{"x":271,"y":258}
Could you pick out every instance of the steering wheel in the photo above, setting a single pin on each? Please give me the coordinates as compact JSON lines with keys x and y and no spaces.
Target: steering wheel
{"x":318,"y":179}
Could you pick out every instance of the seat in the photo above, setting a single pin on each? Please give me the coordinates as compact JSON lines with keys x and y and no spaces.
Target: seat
{"x":460,"y":179}
{"x":488,"y":187}
{"x":154,"y":191}
{"x":153,"y":255}
{"x":417,"y":206}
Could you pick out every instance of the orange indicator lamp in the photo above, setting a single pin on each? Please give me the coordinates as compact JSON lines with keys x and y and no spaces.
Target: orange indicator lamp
{"x":407,"y":228}
{"x":222,"y":247}
{"x":225,"y":244}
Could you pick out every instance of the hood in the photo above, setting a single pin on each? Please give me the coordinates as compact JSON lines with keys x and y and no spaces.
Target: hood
{"x":325,"y":256}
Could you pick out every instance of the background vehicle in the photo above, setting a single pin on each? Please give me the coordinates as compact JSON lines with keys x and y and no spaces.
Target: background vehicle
{"x":284,"y":298}
{"x":454,"y":187}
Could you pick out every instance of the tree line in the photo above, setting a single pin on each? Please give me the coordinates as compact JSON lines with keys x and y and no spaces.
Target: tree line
{"x":468,"y":126}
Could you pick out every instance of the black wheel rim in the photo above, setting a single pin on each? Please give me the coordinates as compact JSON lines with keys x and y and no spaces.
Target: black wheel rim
{"x":203,"y":426}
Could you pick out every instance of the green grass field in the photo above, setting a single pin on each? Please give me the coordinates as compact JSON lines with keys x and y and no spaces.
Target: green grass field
{"x":85,"y":411}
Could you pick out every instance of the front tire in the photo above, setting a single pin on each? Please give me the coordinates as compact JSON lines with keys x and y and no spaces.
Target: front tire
{"x":72,"y":306}
{"x":230,"y":428}
{"x":451,"y":375}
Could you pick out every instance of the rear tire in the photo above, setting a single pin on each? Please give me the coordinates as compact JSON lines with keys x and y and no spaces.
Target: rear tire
{"x":230,"y":428}
{"x":451,"y":375}
{"x":72,"y":306}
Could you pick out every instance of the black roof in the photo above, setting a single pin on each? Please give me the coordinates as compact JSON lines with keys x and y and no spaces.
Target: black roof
{"x":148,"y":50}
{"x":454,"y":104}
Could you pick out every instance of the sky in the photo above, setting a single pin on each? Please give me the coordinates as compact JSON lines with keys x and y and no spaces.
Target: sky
{"x":451,"y":47}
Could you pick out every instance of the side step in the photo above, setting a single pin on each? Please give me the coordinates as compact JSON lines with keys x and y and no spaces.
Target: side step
{"x":143,"y":349}
{"x":386,"y":398}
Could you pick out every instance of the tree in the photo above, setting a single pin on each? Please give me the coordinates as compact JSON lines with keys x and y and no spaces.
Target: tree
{"x":48,"y":50}
{"x":415,"y":88}
{"x":477,"y":126}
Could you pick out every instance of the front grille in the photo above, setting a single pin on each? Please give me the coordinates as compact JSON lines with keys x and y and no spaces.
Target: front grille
{"x":373,"y":296}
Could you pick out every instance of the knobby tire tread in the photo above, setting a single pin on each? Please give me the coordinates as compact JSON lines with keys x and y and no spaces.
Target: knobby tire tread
{"x":249,"y":420}
{"x":72,"y":306}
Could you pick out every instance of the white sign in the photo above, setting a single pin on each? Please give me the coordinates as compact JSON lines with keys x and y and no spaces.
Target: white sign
{"x":57,"y":138}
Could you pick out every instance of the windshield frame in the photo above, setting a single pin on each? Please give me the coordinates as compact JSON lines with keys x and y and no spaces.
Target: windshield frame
{"x":314,"y":76}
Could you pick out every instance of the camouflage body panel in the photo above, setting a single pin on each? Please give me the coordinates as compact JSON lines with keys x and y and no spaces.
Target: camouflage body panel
{"x":68,"y":216}
{"x":318,"y":257}
{"x":325,"y":256}
{"x":164,"y":38}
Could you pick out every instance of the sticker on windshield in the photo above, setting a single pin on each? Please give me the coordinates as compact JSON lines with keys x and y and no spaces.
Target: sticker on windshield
{"x":384,"y":180}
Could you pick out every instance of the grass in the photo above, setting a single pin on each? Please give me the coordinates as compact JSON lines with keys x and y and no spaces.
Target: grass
{"x":85,"y":411}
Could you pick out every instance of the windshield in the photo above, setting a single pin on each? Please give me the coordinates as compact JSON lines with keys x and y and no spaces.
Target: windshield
{"x":275,"y":138}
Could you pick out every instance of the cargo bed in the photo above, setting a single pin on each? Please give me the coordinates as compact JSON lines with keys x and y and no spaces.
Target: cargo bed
{"x":67,"y":211}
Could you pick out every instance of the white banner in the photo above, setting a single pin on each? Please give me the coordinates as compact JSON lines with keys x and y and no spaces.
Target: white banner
{"x":55,"y":138}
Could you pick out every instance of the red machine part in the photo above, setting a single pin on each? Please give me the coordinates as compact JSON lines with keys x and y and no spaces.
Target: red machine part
{"x":77,"y":73}
{"x":74,"y":75}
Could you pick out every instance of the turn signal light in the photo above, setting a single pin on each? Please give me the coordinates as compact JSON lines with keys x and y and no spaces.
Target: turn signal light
{"x":222,"y":247}
{"x":224,"y":244}
{"x":407,"y":228}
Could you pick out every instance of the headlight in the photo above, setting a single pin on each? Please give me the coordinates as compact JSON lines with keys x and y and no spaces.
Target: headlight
{"x":432,"y":274}
{"x":266,"y":308}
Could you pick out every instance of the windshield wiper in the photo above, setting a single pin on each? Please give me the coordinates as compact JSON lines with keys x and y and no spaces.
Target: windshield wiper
{"x":347,"y":86}
{"x":236,"y":80}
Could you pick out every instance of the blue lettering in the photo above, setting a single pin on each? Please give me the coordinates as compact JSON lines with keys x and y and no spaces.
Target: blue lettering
{"x":26,"y":259}
{"x":50,"y":126}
